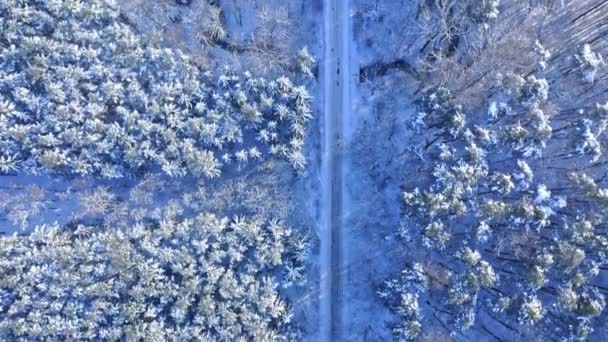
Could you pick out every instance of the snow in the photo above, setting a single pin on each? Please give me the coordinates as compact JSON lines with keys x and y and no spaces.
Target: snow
{"x":336,"y":108}
{"x":61,"y":204}
{"x":359,"y":150}
{"x":373,"y":171}
{"x":493,"y":110}
{"x":542,"y":194}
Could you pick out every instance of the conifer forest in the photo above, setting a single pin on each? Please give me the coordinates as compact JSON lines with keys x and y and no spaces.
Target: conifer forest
{"x":304,"y":170}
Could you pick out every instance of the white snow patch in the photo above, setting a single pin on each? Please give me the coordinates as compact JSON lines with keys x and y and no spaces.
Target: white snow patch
{"x":542,"y":194}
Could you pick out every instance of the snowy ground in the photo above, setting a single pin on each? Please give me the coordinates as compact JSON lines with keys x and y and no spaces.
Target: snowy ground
{"x":375,"y":164}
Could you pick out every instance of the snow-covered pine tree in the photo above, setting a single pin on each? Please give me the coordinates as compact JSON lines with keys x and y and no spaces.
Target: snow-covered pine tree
{"x":508,"y":227}
{"x":210,"y":277}
{"x":81,"y":93}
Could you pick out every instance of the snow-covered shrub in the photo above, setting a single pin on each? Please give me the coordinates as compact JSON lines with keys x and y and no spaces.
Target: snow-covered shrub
{"x":162,"y":20}
{"x":484,"y":11}
{"x":262,"y":196}
{"x":81,"y":93}
{"x":543,"y":54}
{"x":531,"y":310}
{"x":402,"y":295}
{"x":96,"y":202}
{"x":305,"y":62}
{"x":439,"y":108}
{"x":591,"y":131}
{"x":269,"y":49}
{"x":208,"y":277}
{"x":23,"y":203}
{"x":588,"y":63}
{"x":208,"y":17}
{"x":449,"y":25}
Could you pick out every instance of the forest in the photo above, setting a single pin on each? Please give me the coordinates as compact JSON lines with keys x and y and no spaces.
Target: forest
{"x":303,"y":170}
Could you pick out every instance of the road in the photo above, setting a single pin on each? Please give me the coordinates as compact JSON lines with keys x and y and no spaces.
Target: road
{"x":336,"y":28}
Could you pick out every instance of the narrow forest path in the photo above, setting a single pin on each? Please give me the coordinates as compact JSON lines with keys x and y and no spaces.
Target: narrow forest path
{"x":336,"y":99}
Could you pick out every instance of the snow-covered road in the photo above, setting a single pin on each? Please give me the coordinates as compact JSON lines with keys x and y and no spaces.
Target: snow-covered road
{"x":336,"y":28}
